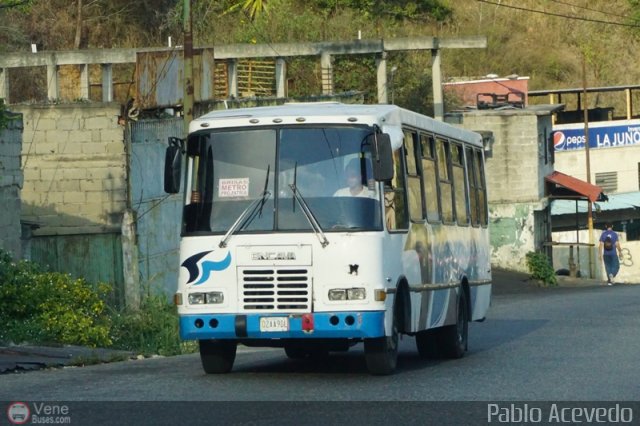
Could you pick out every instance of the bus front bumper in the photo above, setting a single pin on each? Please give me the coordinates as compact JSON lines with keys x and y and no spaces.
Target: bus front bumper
{"x":282,"y":326}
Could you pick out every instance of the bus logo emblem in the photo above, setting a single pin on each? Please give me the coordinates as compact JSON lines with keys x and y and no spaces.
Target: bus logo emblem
{"x":203,"y":269}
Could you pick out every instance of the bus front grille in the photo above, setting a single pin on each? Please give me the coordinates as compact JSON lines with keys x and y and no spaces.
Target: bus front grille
{"x":276,"y":290}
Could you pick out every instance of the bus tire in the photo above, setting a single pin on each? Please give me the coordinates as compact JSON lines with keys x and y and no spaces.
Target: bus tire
{"x":454,"y":338}
{"x":428,"y":344}
{"x":217,"y":356}
{"x":381,"y":354}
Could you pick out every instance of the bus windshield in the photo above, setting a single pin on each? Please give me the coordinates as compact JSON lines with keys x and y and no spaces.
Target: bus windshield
{"x":329,"y":167}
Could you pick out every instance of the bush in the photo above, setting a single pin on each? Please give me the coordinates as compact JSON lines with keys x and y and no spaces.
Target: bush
{"x":50,"y":307}
{"x":153,"y":329}
{"x":41,"y":307}
{"x":540,"y":268}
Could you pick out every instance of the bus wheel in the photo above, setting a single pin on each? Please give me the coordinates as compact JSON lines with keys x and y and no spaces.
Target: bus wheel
{"x":381,"y":354}
{"x":217,"y":356}
{"x":454,"y":337}
{"x":428,"y":344}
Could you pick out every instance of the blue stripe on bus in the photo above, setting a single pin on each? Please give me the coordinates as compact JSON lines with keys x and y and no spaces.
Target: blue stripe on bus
{"x":364,"y":325}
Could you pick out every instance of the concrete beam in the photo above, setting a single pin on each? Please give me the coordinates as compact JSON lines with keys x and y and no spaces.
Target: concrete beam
{"x":4,"y":84}
{"x":107,"y":83}
{"x":69,"y":57}
{"x":429,"y":43}
{"x":84,"y":81}
{"x":281,"y":78}
{"x":239,"y":51}
{"x":436,"y":81}
{"x":52,"y":82}
{"x":381,"y":75}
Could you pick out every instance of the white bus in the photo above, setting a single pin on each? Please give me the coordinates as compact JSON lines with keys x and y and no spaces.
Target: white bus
{"x":316,"y":226}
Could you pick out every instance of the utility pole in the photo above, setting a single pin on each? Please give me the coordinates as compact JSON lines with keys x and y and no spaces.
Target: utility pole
{"x":188,"y":67}
{"x":585,"y":109}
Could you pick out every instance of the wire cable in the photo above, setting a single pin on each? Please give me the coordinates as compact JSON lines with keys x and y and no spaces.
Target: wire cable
{"x":560,"y":15}
{"x":590,"y":9}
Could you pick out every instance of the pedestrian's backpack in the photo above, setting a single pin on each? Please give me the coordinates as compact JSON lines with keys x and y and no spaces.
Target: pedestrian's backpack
{"x":608,"y":244}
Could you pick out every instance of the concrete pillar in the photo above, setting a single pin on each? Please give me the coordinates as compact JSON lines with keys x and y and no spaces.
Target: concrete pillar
{"x":52,"y":82}
{"x":107,"y":83}
{"x":327,"y":73}
{"x":84,"y":81}
{"x":381,"y":67}
{"x":436,"y":75}
{"x":4,"y":84}
{"x":281,"y":78}
{"x":232,"y":75}
{"x":130,"y":267}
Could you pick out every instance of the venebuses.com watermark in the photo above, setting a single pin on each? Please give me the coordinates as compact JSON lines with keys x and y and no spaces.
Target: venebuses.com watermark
{"x":20,"y":413}
{"x":571,"y":413}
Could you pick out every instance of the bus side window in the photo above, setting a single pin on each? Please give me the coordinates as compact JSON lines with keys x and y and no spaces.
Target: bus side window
{"x":429,"y":177}
{"x":473,"y":187}
{"x":414,"y":189}
{"x":396,"y":214}
{"x":444,"y":175}
{"x":481,"y":189}
{"x":459,"y":185}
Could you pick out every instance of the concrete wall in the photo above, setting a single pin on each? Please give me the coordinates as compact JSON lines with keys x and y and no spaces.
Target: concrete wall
{"x":517,"y":160}
{"x":628,"y":264}
{"x":11,"y":181}
{"x":624,"y":160}
{"x":73,"y":157}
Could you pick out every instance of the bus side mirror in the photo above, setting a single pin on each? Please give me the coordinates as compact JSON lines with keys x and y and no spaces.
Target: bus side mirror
{"x":381,"y":156}
{"x":173,"y":166}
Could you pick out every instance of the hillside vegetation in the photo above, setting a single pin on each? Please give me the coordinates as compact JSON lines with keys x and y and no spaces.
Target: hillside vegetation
{"x":544,"y":39}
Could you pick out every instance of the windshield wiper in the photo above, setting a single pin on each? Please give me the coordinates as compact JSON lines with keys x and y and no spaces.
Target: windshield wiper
{"x":317,"y":229}
{"x":246,"y":217}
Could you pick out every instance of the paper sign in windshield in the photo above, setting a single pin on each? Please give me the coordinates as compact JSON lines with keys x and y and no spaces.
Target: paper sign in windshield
{"x":238,"y":187}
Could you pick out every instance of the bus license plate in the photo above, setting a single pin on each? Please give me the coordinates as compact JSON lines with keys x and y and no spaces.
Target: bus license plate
{"x":268,"y":324}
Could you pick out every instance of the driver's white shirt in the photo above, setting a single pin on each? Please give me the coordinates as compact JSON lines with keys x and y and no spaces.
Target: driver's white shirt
{"x":346,"y":192}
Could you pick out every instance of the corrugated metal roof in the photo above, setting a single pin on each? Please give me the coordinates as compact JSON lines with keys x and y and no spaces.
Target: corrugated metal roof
{"x":621,"y":201}
{"x":559,"y":185}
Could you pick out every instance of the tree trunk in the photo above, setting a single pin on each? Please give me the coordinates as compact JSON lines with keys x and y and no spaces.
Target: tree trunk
{"x":78,"y":38}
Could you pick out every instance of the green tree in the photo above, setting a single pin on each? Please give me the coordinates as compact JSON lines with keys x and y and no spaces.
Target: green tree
{"x":253,"y":8}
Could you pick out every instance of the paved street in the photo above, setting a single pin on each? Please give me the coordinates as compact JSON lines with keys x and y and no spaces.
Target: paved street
{"x":557,"y":344}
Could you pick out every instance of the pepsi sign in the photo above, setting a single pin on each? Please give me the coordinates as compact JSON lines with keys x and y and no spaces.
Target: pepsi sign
{"x":599,"y":137}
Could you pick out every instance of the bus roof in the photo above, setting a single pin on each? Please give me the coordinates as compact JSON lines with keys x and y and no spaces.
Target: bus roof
{"x":391,"y":118}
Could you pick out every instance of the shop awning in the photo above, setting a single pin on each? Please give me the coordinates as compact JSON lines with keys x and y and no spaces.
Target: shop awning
{"x":559,"y":185}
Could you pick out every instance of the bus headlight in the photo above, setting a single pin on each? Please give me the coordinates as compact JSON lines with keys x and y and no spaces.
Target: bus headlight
{"x":196,"y":299}
{"x":213,"y":297}
{"x":338,"y":294}
{"x":358,"y":293}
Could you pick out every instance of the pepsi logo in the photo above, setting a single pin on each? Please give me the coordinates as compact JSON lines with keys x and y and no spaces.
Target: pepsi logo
{"x":559,"y":140}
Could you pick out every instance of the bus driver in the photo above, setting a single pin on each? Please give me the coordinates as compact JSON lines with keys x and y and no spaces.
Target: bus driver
{"x":354,"y":187}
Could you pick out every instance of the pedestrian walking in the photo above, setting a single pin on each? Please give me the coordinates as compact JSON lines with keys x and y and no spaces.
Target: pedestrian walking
{"x":610,"y":251}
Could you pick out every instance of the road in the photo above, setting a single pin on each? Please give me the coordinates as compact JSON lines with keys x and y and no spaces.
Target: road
{"x":560,"y":344}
